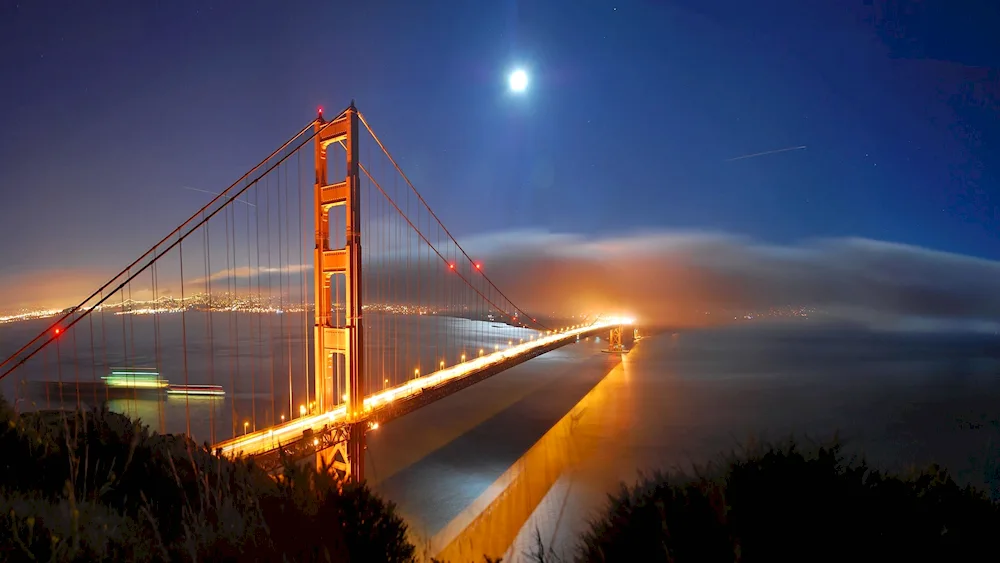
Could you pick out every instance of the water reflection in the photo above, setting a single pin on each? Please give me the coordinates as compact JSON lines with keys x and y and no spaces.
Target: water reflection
{"x":263,"y":361}
{"x":679,"y":399}
{"x":495,"y":519}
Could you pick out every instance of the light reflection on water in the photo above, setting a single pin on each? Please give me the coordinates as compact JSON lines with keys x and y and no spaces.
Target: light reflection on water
{"x":261,"y":360}
{"x":677,"y":400}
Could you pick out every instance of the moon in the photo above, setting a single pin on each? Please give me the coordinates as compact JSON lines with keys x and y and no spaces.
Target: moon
{"x":518,"y":81}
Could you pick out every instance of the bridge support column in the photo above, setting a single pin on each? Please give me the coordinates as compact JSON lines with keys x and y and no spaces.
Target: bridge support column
{"x":346,"y":340}
{"x":356,"y":446}
{"x":615,"y":344}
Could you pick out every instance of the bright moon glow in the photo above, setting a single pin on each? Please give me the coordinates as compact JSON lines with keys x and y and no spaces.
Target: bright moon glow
{"x":518,"y":81}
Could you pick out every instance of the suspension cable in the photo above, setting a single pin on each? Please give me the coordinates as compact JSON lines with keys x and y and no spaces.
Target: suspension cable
{"x":130,"y":275}
{"x":431,"y":211}
{"x":426,"y":241}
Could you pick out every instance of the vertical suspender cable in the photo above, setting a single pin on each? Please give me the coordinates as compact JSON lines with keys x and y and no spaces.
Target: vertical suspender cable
{"x":209,"y":328}
{"x":184,"y":352}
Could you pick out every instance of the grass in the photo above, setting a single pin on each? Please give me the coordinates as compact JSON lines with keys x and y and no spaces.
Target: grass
{"x":96,"y":486}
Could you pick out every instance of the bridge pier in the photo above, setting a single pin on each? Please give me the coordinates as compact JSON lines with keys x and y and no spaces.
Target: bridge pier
{"x":615,"y":345}
{"x":356,"y":446}
{"x":346,"y":457}
{"x":619,"y":341}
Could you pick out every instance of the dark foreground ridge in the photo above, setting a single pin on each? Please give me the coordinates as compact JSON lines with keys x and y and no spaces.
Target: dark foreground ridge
{"x":96,"y":486}
{"x":780,"y":503}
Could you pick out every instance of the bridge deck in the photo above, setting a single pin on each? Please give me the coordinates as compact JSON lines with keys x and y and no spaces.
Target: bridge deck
{"x":310,"y":433}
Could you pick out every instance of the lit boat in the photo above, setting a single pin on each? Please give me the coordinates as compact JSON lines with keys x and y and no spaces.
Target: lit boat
{"x":209,"y":390}
{"x":135,"y":378}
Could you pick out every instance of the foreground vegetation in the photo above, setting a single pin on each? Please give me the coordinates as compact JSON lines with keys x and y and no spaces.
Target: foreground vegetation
{"x":96,"y":486}
{"x":779,"y":503}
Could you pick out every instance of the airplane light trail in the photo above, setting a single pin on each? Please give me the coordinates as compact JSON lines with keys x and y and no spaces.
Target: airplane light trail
{"x":766,"y":153}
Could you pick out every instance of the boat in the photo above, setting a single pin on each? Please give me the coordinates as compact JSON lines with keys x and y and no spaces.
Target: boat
{"x":135,"y":378}
{"x":198,"y":390}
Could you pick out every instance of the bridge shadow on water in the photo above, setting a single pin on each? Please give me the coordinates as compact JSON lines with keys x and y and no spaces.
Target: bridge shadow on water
{"x":469,"y":472}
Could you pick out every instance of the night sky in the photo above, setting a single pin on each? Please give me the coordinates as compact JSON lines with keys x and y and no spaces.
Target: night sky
{"x":627,"y":131}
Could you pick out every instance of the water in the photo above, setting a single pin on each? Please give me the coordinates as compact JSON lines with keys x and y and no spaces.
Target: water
{"x":541,"y":444}
{"x":263,"y":362}
{"x":677,"y":399}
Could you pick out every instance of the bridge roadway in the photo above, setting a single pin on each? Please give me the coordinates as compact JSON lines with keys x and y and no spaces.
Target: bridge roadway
{"x":307,"y":434}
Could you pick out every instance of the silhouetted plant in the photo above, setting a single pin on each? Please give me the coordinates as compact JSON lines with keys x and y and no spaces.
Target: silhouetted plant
{"x":779,"y":503}
{"x":96,"y":486}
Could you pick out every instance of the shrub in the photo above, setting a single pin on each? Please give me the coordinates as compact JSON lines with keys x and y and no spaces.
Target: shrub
{"x":96,"y":486}
{"x":780,"y":503}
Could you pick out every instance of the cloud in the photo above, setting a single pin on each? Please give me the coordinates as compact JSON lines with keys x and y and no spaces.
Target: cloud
{"x":243,"y":273}
{"x":676,"y":276}
{"x":669,"y":277}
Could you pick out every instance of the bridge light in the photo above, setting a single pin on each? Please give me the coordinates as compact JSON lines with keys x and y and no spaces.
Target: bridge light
{"x":480,"y":351}
{"x":246,"y":426}
{"x":320,"y":108}
{"x":442,"y":364}
{"x":302,"y":410}
{"x":316,"y":441}
{"x":463,"y":357}
{"x":375,"y":426}
{"x":282,"y":418}
{"x":387,"y":381}
{"x":416,"y":372}
{"x":510,"y":343}
{"x":344,"y":396}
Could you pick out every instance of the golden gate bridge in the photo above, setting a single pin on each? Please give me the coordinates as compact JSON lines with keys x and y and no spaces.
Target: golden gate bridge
{"x":230,"y":331}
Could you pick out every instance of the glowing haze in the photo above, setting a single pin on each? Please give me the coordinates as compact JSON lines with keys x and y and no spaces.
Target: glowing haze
{"x":676,"y":277}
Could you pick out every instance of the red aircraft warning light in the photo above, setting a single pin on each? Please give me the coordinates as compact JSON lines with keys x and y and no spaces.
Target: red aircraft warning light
{"x":451,"y":266}
{"x":479,"y":266}
{"x":58,"y":330}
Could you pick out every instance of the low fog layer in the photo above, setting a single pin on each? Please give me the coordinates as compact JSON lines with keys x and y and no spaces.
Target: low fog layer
{"x":675,"y":277}
{"x":660,"y":277}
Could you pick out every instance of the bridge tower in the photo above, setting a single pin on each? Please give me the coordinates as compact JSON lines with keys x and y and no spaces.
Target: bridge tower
{"x":615,"y":340}
{"x":346,"y":341}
